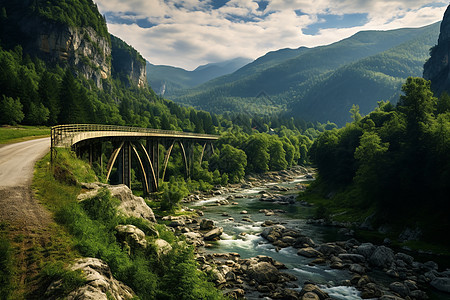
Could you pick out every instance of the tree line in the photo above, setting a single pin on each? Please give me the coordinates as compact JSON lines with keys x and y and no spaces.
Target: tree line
{"x":396,"y":159}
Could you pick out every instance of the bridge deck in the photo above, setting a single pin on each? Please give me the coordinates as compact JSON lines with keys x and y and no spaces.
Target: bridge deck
{"x":68,"y":135}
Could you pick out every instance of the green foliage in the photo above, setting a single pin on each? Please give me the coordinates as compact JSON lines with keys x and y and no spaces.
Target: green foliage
{"x":230,"y":161}
{"x":10,"y":111}
{"x":362,"y":69}
{"x":173,"y":192}
{"x":75,"y":13}
{"x":70,"y":280}
{"x":392,"y":159}
{"x":92,"y":225}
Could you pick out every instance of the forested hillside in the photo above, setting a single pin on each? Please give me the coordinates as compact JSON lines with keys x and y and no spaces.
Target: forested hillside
{"x":305,"y":81}
{"x":394,"y":162}
{"x":166,"y":80}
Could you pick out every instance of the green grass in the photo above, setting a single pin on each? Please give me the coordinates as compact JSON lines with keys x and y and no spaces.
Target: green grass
{"x":14,"y":134}
{"x":91,"y":226}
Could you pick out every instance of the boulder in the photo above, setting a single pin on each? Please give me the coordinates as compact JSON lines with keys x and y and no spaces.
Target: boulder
{"x":131,"y":205}
{"x":330,"y":249}
{"x":206,"y":224}
{"x":356,"y":258}
{"x":382,"y":257}
{"x":309,"y":252}
{"x":311,"y":288}
{"x":399,"y":288}
{"x":366,"y":250}
{"x":132,"y":235}
{"x":441,"y":283}
{"x":263,"y":272}
{"x":213,"y":234}
{"x":100,"y":283}
{"x":162,"y":247}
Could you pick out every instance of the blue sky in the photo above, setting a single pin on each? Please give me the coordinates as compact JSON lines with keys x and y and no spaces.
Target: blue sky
{"x":189,"y":33}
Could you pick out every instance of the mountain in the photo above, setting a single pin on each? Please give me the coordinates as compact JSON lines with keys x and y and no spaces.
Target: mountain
{"x":166,"y":79}
{"x":437,"y":68}
{"x":71,"y":32}
{"x":293,"y":80}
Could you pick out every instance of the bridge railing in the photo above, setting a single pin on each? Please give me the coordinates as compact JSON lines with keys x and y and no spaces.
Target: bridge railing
{"x":64,"y":135}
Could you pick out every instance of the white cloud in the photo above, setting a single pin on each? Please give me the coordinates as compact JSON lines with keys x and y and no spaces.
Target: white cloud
{"x":189,"y":32}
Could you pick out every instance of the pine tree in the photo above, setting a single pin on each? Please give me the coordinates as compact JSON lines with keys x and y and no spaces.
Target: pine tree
{"x":71,"y":111}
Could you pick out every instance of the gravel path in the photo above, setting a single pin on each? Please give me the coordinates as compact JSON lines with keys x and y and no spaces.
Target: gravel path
{"x":17,"y":204}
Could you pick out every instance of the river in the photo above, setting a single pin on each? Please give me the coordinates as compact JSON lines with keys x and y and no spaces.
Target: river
{"x":242,"y":236}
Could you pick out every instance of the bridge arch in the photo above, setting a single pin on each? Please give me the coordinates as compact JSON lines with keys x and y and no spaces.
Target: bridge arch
{"x":129,"y":141}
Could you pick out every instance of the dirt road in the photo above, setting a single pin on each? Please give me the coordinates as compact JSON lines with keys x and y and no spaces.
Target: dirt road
{"x":17,"y":205}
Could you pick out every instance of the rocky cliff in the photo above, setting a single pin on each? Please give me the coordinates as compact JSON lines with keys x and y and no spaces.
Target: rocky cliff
{"x":127,"y":64}
{"x":437,"y":68}
{"x":87,"y":50}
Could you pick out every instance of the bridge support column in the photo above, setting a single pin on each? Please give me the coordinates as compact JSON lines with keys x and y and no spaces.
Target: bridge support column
{"x":152,"y":149}
{"x":125,"y":171}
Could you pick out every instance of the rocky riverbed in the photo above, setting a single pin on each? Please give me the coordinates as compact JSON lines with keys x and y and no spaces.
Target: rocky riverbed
{"x":365,"y":270}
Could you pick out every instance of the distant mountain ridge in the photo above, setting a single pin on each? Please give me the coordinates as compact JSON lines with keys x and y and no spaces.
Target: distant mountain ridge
{"x":307,"y":82}
{"x":166,"y":79}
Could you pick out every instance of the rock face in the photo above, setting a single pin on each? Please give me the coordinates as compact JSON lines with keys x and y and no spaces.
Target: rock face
{"x":88,"y":50}
{"x":128,"y":64}
{"x":82,"y":48}
{"x":100,"y":284}
{"x":436,"y":68}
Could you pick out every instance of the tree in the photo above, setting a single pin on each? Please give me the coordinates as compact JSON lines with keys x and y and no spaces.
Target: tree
{"x":354,"y":112}
{"x":71,"y":111}
{"x":417,"y":104}
{"x":10,"y":111}
{"x":233,"y":162}
{"x":277,"y":155}
{"x":256,"y":149}
{"x":48,"y":94}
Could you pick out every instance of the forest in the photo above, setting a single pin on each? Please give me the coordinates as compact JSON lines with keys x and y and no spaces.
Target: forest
{"x":395,"y":161}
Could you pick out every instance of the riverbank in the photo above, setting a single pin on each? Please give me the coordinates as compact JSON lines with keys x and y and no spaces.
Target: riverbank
{"x":232,"y":226}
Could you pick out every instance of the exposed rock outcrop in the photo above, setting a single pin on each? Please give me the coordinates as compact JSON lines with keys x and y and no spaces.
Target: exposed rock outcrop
{"x":437,"y":68}
{"x":100,"y":283}
{"x":130,"y":205}
{"x":82,"y":48}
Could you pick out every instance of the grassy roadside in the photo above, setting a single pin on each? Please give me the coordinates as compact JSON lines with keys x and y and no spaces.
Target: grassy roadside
{"x":88,"y":229}
{"x":15,"y":134}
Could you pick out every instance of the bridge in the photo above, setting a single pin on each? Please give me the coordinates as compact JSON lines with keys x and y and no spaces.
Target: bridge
{"x":127,"y":142}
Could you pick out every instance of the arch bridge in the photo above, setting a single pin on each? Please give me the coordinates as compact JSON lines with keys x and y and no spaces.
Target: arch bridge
{"x":142,"y":143}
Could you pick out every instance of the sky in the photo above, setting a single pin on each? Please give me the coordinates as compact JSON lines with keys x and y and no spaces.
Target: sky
{"x":189,"y":33}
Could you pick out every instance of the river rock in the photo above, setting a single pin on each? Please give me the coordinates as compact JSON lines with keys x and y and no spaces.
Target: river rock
{"x":309,"y":252}
{"x":357,"y":268}
{"x":312,"y":288}
{"x":441,"y":283}
{"x":100,"y":283}
{"x":132,"y":235}
{"x":263,"y":272}
{"x":303,"y":242}
{"x":213,"y":234}
{"x":206,"y":224}
{"x":399,"y":288}
{"x":330,"y":249}
{"x":366,"y":250}
{"x":356,"y":258}
{"x":382,"y":257}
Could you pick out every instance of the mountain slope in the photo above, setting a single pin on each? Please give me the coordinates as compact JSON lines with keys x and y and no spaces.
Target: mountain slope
{"x":378,"y":77}
{"x":288,"y":81}
{"x":167,"y":79}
